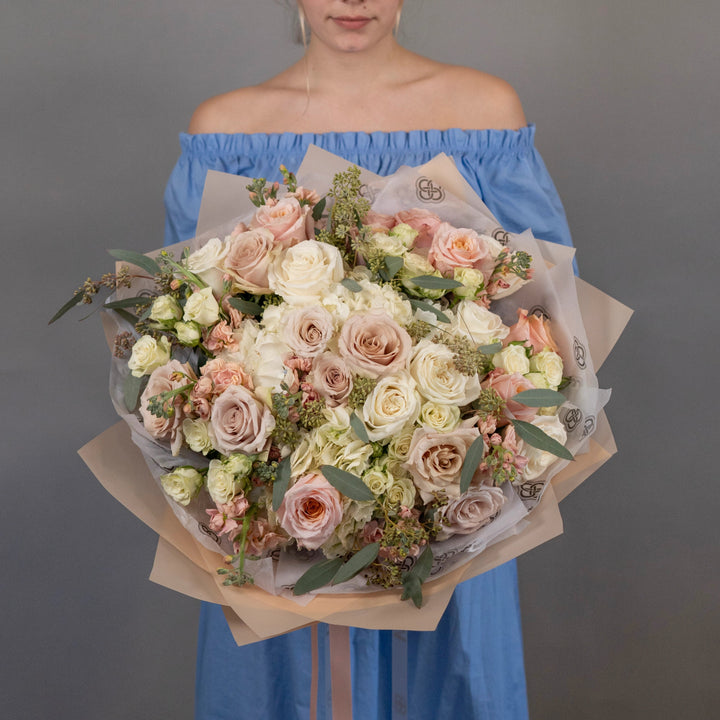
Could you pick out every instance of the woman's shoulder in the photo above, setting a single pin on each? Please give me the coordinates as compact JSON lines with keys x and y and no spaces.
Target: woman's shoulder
{"x":223,"y":113}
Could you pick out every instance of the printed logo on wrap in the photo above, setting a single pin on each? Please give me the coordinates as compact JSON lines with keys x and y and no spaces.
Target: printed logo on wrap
{"x":427,"y":191}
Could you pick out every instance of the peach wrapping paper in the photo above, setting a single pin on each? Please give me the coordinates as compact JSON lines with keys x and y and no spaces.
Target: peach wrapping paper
{"x":186,"y":561}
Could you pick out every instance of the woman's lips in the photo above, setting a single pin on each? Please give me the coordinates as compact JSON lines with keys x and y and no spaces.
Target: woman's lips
{"x":352,"y":23}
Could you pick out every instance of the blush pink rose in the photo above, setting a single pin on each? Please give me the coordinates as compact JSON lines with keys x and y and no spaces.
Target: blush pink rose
{"x":311,"y":510}
{"x":248,"y":258}
{"x":425,"y":222}
{"x":473,"y":510}
{"x":460,"y":247}
{"x":373,"y":344}
{"x":506,"y":385}
{"x":379,"y":222}
{"x":288,"y":221}
{"x":240,"y":422}
{"x":308,"y":330}
{"x":331,"y":378}
{"x":531,"y":329}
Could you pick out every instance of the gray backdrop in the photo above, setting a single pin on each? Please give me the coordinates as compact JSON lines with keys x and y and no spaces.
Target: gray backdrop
{"x":620,"y":613}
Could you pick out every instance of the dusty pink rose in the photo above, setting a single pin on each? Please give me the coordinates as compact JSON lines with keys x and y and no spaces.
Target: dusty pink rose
{"x":425,"y":222}
{"x":532,"y":329}
{"x":476,"y":508}
{"x":223,"y":373}
{"x":460,"y":247}
{"x":311,"y":510}
{"x":288,"y":221}
{"x":170,"y":376}
{"x":248,"y":258}
{"x":379,"y":222}
{"x":435,"y":459}
{"x":308,"y":330}
{"x":506,"y":385}
{"x":224,"y":519}
{"x":261,"y":540}
{"x":240,"y":422}
{"x":331,"y":378}
{"x":373,"y":344}
{"x":221,"y":338}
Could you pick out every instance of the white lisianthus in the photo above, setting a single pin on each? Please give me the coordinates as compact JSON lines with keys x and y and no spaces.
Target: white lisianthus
{"x":438,"y":380}
{"x":416,"y":265}
{"x":352,"y":456}
{"x":305,"y":272}
{"x":197,"y":435}
{"x":393,"y":403}
{"x":540,"y":460}
{"x":202,"y":307}
{"x":512,"y":359}
{"x":207,"y":262}
{"x":550,"y":364}
{"x":405,"y":234}
{"x":401,"y":492}
{"x":302,"y":458}
{"x":165,"y":309}
{"x":439,"y":416}
{"x":182,"y":484}
{"x":478,"y":324}
{"x":222,"y":484}
{"x":388,"y":244}
{"x":188,"y":333}
{"x":148,"y":354}
{"x":473,"y":282}
{"x":379,"y":480}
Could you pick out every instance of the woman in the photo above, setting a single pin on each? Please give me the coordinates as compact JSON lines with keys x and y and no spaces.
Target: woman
{"x":359,"y":94}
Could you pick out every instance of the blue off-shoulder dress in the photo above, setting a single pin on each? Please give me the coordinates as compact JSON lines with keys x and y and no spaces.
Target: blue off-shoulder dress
{"x":471,"y":667}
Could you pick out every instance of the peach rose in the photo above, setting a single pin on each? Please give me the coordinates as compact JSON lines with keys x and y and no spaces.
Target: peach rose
{"x":460,"y":247}
{"x":532,"y":329}
{"x":240,"y":422}
{"x":308,"y":330}
{"x":425,"y":222}
{"x":506,"y":385}
{"x":476,"y":508}
{"x":311,"y":510}
{"x":288,"y":221}
{"x":248,"y":259}
{"x":373,"y":344}
{"x":331,"y":378}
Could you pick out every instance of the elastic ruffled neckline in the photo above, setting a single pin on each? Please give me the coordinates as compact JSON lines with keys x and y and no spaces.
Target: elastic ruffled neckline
{"x":453,"y":141}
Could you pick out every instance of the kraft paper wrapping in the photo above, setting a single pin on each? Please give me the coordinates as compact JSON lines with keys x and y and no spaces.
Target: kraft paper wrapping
{"x":186,"y":565}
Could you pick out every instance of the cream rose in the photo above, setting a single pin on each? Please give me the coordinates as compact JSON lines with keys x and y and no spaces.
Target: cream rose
{"x":307,"y":271}
{"x":308,"y":330}
{"x":197,"y":435}
{"x":416,"y":265}
{"x":438,"y":380}
{"x":188,"y":333}
{"x":550,"y":364}
{"x":388,"y":244}
{"x":402,"y":492}
{"x":373,"y":344}
{"x":379,"y":480}
{"x":165,"y":309}
{"x":436,"y":459}
{"x":512,"y":359}
{"x":240,"y":422}
{"x":206,"y":263}
{"x":202,"y":307}
{"x":223,"y":485}
{"x":440,"y":417}
{"x":476,"y":508}
{"x":148,"y":354}
{"x":478,"y":324}
{"x":473,"y":282}
{"x":288,"y":221}
{"x":182,"y":484}
{"x":248,"y":259}
{"x":311,"y":510}
{"x":540,"y":460}
{"x":331,"y":377}
{"x":393,"y":403}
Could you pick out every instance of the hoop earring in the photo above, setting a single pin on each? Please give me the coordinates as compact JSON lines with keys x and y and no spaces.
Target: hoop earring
{"x":303,"y":30}
{"x":397,"y":22}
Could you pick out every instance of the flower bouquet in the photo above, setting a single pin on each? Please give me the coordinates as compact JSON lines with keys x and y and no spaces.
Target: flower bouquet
{"x":349,"y":389}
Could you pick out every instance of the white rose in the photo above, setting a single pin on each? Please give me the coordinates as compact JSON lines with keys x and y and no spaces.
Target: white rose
{"x":399,"y":446}
{"x":148,"y":354}
{"x":222,"y":484}
{"x":207,"y":262}
{"x":478,"y":324}
{"x":401,"y":492}
{"x":540,"y":460}
{"x":393,"y":403}
{"x":202,"y":307}
{"x":512,"y":359}
{"x":438,"y":380}
{"x":305,"y":272}
{"x":550,"y":364}
{"x":165,"y":309}
{"x":188,"y":333}
{"x":182,"y":484}
{"x":379,"y":480}
{"x":388,"y":244}
{"x":440,"y":417}
{"x":197,"y":435}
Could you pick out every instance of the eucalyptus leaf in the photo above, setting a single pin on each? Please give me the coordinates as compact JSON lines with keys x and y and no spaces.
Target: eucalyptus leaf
{"x":351,"y":285}
{"x":539,"y":397}
{"x":131,"y":391}
{"x":359,"y":561}
{"x":318,"y":575}
{"x":473,"y":458}
{"x":129,"y":302}
{"x":136,"y":258}
{"x":71,"y":303}
{"x":433,"y":282}
{"x":393,"y":265}
{"x":128,"y":317}
{"x":282,"y":480}
{"x":422,"y":305}
{"x":359,"y":427}
{"x":319,"y":209}
{"x":490,"y":349}
{"x":246,"y":307}
{"x":539,"y":439}
{"x":348,"y":484}
{"x":412,"y":590}
{"x":416,"y":576}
